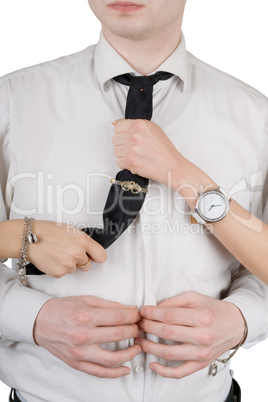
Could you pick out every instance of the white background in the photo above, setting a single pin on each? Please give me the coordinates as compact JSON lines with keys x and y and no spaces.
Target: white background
{"x":231,"y":35}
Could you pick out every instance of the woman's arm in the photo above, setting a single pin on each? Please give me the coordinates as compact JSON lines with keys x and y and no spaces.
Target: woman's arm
{"x":58,"y":250}
{"x":244,"y":235}
{"x":144,"y":149}
{"x":10,"y":238}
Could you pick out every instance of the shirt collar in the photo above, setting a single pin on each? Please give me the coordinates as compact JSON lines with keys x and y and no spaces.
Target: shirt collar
{"x":109,"y":63}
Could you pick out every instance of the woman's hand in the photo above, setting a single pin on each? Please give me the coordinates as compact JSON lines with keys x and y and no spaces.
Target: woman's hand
{"x":142,"y":147}
{"x":61,"y":249}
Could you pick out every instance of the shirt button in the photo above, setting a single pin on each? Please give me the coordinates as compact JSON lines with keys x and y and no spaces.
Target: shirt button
{"x":139,"y":369}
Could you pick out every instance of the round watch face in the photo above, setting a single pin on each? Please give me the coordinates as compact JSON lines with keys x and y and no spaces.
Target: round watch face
{"x":212,"y":206}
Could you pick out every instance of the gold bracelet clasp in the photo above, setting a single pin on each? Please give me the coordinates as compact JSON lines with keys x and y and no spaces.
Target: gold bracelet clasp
{"x":135,"y":188}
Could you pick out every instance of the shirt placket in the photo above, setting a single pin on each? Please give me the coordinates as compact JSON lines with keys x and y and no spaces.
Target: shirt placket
{"x":142,"y":368}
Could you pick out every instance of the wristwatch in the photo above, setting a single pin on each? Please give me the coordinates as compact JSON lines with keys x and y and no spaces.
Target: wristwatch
{"x":211,"y":206}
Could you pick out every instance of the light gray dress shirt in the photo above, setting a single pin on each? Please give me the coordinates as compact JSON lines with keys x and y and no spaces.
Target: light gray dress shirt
{"x":56,"y":159}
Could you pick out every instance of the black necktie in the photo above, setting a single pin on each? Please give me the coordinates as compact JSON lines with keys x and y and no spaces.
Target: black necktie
{"x":128,"y":190}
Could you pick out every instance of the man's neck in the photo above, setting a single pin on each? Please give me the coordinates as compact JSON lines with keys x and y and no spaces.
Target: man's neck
{"x":145,"y":56}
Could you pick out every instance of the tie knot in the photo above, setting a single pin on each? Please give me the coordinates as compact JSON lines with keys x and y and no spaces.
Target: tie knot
{"x":139,"y":100}
{"x":142,"y":81}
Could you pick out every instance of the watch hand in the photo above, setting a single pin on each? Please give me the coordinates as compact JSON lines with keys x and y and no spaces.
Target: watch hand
{"x":213,"y":205}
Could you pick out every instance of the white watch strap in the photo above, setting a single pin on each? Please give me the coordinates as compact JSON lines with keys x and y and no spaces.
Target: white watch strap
{"x":198,"y":218}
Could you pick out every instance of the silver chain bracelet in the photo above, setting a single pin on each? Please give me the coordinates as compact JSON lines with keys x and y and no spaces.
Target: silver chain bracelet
{"x":214,"y":367}
{"x":27,"y":238}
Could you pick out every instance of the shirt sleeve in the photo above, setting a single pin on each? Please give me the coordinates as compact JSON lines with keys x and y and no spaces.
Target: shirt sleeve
{"x":19,"y":305}
{"x":248,"y":292}
{"x":250,"y":295}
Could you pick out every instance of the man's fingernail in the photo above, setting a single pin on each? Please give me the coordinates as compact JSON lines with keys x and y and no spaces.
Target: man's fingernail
{"x":134,"y":307}
{"x":143,"y":311}
{"x":141,"y":324}
{"x":138,"y":341}
{"x":113,"y":123}
{"x":152,"y":367}
{"x":126,"y":371}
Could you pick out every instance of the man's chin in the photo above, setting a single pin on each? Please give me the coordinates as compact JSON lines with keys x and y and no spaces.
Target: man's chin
{"x":127,"y":31}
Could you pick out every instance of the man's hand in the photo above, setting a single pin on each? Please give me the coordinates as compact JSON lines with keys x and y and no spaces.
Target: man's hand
{"x":142,"y":147}
{"x":204,"y":328}
{"x":71,"y":328}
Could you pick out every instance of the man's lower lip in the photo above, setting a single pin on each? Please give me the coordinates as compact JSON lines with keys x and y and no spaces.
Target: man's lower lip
{"x":125,"y":8}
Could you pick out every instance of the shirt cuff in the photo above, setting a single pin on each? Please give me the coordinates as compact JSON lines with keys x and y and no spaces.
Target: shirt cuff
{"x":254,"y":314}
{"x":21,"y":306}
